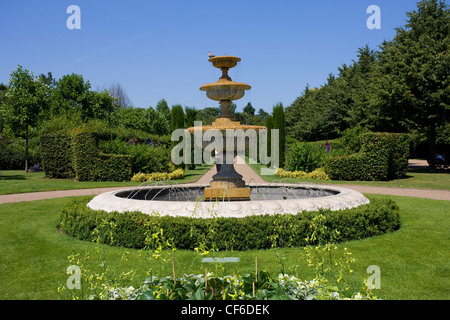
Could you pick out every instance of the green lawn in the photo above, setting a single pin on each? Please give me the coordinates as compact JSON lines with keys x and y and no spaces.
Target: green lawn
{"x":413,"y":260}
{"x":414,"y":179}
{"x":17,"y":181}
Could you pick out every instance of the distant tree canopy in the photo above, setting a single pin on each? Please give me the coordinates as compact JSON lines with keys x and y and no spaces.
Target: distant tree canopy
{"x":144,"y":119}
{"x":404,"y":87}
{"x":73,"y":96}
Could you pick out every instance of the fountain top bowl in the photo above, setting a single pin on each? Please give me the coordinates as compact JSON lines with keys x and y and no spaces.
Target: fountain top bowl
{"x":224,"y":61}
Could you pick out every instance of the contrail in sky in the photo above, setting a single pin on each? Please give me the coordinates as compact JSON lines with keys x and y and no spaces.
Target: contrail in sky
{"x":118,"y":44}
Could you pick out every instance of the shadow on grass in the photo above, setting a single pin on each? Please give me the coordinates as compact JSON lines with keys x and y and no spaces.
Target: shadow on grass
{"x":13,"y":177}
{"x":428,"y":171}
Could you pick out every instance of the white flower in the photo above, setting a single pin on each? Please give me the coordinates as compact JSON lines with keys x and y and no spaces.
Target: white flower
{"x":358,"y":296}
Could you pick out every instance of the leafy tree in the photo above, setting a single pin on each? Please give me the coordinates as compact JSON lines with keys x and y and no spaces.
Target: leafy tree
{"x":249,"y":109}
{"x":208,"y":115}
{"x":48,"y":79}
{"x":416,"y":68}
{"x":3,"y":90}
{"x":190,"y":116}
{"x":26,"y":98}
{"x":164,"y":109}
{"x":148,"y":120}
{"x":263,"y":114}
{"x":73,"y":96}
{"x":158,"y":123}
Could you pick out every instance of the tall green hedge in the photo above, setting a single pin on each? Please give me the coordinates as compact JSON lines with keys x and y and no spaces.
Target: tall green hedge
{"x":383,"y":156}
{"x":56,"y":151}
{"x":75,"y":154}
{"x":92,"y":165}
{"x":280,"y":123}
{"x":253,"y":232}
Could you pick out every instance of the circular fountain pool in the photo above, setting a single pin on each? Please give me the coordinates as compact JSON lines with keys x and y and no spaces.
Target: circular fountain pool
{"x":187,"y":200}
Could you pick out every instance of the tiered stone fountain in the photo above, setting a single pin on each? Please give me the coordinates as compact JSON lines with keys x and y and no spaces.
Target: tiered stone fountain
{"x":227,"y":195}
{"x":227,"y":183}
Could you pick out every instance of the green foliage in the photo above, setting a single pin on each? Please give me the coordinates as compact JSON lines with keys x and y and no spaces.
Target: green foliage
{"x":92,"y":165}
{"x":249,"y":109}
{"x":146,"y":120}
{"x":73,"y":96}
{"x":75,"y":154}
{"x":383,"y":156}
{"x":403,"y":87}
{"x":190,"y":116}
{"x":57,"y":159}
{"x":208,"y":115}
{"x":317,"y":174}
{"x":145,"y":151}
{"x":306,"y":156}
{"x":252,"y":232}
{"x":145,"y":157}
{"x":158,"y":176}
{"x":279,"y":123}
{"x":263,"y":286}
{"x":347,"y":168}
{"x":163,"y":108}
{"x":12,"y":152}
{"x":26,"y":99}
{"x":350,"y":139}
{"x":177,"y":117}
{"x":414,"y":68}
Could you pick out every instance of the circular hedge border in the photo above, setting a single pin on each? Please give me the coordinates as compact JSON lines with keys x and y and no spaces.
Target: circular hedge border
{"x":135,"y":229}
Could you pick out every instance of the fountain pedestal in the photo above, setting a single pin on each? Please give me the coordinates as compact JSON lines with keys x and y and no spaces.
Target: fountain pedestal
{"x":227,"y":183}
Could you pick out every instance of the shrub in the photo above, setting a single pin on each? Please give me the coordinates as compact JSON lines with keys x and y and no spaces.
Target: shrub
{"x":318,"y":174}
{"x":306,"y":156}
{"x":383,"y":156}
{"x":145,"y":157}
{"x":176,"y":174}
{"x":251,"y":232}
{"x":261,"y":286}
{"x":92,"y":165}
{"x":12,"y":153}
{"x":158,"y":176}
{"x":347,"y":168}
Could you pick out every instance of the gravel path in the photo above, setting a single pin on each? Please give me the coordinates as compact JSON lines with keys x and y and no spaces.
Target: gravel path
{"x":249,"y":176}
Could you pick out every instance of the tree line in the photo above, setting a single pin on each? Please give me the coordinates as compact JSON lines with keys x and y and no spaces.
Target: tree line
{"x":402,"y":87}
{"x":30,"y":104}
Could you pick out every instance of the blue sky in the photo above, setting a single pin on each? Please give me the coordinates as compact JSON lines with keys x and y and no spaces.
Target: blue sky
{"x":159,"y":49}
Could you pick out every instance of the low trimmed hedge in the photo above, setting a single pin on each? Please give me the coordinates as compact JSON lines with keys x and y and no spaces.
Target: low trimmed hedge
{"x":253,"y":232}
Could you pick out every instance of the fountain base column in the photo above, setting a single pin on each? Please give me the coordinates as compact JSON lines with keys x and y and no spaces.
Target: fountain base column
{"x":227,"y":184}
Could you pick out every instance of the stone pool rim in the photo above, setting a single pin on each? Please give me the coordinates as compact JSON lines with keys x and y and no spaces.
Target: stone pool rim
{"x":343,"y":199}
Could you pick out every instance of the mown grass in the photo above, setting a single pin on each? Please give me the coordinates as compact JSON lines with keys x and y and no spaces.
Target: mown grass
{"x":416,"y":179}
{"x":413,"y":260}
{"x":17,"y":181}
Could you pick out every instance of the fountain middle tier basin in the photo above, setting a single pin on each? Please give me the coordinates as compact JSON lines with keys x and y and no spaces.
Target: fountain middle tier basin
{"x":187,"y":200}
{"x":225,"y":90}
